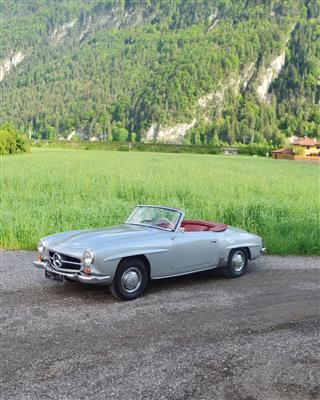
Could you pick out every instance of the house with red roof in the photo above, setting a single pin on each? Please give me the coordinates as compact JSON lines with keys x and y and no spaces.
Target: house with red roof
{"x":306,"y":147}
{"x":302,"y":149}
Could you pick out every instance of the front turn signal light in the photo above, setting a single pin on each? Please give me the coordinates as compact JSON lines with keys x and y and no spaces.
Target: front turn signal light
{"x":86,"y":270}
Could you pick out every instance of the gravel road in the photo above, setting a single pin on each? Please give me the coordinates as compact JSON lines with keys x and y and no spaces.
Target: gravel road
{"x":197,"y":337}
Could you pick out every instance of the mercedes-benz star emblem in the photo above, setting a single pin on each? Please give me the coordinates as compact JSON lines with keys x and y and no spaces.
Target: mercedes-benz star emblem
{"x":57,"y":260}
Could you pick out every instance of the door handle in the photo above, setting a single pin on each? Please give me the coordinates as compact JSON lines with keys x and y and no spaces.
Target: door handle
{"x":213,"y":241}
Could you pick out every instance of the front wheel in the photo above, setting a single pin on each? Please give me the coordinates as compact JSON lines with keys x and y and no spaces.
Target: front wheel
{"x":130,"y":280}
{"x":237,"y":263}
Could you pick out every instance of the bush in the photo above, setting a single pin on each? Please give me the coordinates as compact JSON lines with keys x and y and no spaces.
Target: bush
{"x":22,"y":143}
{"x":7,"y":141}
{"x":12,"y":141}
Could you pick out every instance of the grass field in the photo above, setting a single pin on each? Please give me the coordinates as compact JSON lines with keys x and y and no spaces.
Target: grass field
{"x":55,"y":190}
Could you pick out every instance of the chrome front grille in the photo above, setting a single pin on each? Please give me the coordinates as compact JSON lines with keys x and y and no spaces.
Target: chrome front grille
{"x":62,"y":261}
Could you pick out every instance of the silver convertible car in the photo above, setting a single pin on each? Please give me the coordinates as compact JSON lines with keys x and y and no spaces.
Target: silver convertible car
{"x":154,"y":243}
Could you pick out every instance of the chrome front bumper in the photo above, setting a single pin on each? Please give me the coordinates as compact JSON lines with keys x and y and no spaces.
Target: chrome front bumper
{"x":102,"y":279}
{"x":263,"y":250}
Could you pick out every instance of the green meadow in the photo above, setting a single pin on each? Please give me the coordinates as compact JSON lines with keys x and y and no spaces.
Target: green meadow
{"x":52,"y":190}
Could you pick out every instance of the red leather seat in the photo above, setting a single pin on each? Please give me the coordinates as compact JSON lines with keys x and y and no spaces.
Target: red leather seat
{"x":198,"y":226}
{"x":195,"y":228}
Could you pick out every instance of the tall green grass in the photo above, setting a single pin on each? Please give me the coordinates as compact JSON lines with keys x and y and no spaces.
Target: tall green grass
{"x":53,"y":190}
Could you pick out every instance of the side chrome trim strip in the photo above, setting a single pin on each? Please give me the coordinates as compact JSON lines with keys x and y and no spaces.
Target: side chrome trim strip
{"x":184,"y":273}
{"x":130,"y":254}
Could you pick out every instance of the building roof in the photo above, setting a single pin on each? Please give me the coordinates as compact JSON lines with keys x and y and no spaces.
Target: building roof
{"x":283,"y":151}
{"x":306,"y":142}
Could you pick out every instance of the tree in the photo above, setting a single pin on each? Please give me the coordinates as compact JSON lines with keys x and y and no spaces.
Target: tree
{"x":197,"y":138}
{"x":119,"y":134}
{"x":215,"y":139}
{"x":51,"y":133}
{"x":97,"y":130}
{"x":133,"y":137}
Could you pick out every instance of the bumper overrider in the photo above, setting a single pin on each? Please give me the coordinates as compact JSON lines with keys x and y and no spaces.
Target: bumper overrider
{"x":78,"y":276}
{"x":263,"y":250}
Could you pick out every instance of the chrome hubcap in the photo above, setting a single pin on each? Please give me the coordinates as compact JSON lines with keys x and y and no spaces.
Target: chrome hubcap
{"x":238,"y":261}
{"x":131,"y":279}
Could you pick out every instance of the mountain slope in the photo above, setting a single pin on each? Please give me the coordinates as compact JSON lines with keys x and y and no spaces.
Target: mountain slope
{"x":116,"y":67}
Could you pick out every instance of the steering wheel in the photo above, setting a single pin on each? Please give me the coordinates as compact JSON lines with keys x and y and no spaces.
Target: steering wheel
{"x":164,"y":220}
{"x":148,"y":221}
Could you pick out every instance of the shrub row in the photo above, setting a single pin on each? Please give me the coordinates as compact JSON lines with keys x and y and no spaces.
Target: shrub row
{"x":153,"y":147}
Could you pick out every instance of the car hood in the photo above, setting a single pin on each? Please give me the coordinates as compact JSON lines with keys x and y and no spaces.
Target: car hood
{"x":94,"y":238}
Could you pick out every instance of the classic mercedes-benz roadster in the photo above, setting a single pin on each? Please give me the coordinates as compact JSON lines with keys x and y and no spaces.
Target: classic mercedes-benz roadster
{"x":154,"y":243}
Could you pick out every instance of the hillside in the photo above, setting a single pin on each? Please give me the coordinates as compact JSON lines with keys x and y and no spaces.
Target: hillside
{"x":169,"y":70}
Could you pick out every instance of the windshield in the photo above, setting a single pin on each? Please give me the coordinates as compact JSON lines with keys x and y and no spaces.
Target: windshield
{"x":155,"y":217}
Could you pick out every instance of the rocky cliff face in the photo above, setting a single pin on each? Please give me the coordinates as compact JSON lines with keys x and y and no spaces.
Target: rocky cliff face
{"x":60,"y":33}
{"x":10,"y":62}
{"x":269,"y":75}
{"x":169,"y":134}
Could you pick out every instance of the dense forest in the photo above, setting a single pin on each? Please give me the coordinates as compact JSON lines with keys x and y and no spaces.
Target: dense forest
{"x":233,"y":71}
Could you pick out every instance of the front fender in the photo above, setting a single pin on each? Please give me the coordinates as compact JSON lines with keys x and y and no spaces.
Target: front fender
{"x":132,"y":253}
{"x":158,"y":260}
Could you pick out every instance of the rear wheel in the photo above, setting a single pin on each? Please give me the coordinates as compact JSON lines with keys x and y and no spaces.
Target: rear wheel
{"x":237,"y":263}
{"x":130,"y":280}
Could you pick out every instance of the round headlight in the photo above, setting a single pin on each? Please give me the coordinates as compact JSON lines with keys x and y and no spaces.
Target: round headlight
{"x":41,"y":247}
{"x":87,"y":258}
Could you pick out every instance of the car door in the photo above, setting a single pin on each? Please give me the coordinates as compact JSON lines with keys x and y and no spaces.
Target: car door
{"x":192,"y":251}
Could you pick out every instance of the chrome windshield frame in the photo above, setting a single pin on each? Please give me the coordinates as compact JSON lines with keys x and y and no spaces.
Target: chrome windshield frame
{"x":174,"y":229}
